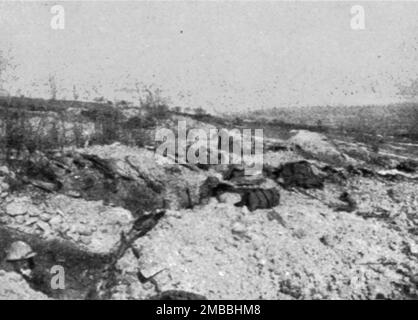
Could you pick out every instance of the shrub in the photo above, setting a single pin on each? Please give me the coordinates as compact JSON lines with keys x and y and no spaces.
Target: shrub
{"x":154,"y":105}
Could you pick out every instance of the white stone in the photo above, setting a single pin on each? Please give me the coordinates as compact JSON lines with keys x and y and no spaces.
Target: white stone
{"x":4,"y":170}
{"x":16,"y":208}
{"x":34,"y":211}
{"x":44,"y":226}
{"x":83,"y":230}
{"x":45,"y":217}
{"x":55,"y":222}
{"x":30,"y":221}
{"x":229,"y":197}
{"x":413,"y":248}
{"x":238,"y":228}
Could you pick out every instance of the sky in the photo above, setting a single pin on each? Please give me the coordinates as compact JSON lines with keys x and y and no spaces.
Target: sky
{"x":221,"y":56}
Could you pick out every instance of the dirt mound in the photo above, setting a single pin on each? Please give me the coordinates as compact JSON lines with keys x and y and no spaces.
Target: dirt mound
{"x":317,"y":146}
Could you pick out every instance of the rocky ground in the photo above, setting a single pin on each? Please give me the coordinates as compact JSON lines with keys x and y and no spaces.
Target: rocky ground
{"x":314,"y":244}
{"x":14,"y":287}
{"x":300,"y":249}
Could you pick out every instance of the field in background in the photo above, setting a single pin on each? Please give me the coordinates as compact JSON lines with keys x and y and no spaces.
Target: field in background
{"x":40,"y":124}
{"x":396,"y":120}
{"x":393,"y":129}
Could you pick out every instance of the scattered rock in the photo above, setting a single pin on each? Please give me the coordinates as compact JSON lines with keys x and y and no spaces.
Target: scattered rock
{"x":55,"y":222}
{"x":4,"y":187}
{"x":44,"y":227}
{"x":274,"y":215}
{"x":234,"y":172}
{"x":14,"y":287}
{"x":4,"y":219}
{"x":238,"y":228}
{"x":277,"y":260}
{"x":30,"y":221}
{"x":299,"y":233}
{"x":358,"y":152}
{"x":317,"y":146}
{"x":414,"y":279}
{"x":83,"y":230}
{"x":44,"y":216}
{"x":35,"y":212}
{"x":4,"y":171}
{"x":63,"y":228}
{"x":299,"y":174}
{"x":85,"y":240}
{"x":19,"y":220}
{"x":326,"y":240}
{"x":394,"y":195}
{"x":19,"y":206}
{"x":258,"y":198}
{"x":413,"y":248}
{"x":229,"y":197}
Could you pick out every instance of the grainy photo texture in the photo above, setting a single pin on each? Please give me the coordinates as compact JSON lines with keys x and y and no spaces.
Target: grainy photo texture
{"x":208,"y":150}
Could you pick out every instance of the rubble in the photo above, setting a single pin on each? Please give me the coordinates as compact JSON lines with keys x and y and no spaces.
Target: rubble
{"x":97,"y":232}
{"x":317,"y":146}
{"x":4,"y":187}
{"x":18,"y":206}
{"x":251,"y":253}
{"x":299,"y":174}
{"x":14,"y":287}
{"x":149,"y":229}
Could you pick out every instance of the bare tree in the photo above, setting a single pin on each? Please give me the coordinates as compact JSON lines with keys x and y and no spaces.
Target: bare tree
{"x":200,"y":111}
{"x":52,"y":87}
{"x":138,"y":92}
{"x":75,"y":93}
{"x":4,"y":65}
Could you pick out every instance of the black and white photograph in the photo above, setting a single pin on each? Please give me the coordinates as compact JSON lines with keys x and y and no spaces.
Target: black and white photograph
{"x":228,"y":151}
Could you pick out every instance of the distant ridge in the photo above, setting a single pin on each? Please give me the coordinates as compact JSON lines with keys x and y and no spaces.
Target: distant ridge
{"x":393,"y":119}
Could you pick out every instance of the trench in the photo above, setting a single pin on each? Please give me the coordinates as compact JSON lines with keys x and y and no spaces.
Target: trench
{"x":92,"y":179}
{"x":82,"y":269}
